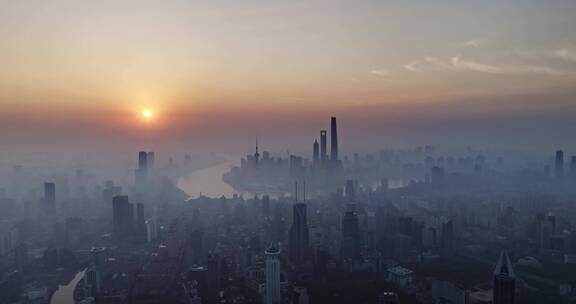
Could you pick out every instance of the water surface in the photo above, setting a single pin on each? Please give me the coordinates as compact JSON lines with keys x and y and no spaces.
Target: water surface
{"x":65,"y":293}
{"x":208,"y":181}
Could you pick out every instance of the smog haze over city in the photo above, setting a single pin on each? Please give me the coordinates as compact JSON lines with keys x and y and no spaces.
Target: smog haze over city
{"x":275,"y":152}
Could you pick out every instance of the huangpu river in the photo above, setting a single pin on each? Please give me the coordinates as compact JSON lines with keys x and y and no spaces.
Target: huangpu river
{"x":208,"y":181}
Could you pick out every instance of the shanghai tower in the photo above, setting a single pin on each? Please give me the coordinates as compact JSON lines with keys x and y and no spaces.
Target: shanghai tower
{"x":333,"y":140}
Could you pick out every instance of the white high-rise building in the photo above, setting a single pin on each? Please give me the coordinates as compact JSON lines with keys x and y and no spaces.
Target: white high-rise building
{"x":272,"y":292}
{"x":151,"y":229}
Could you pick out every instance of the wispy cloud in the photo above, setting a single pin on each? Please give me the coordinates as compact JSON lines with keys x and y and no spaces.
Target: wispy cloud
{"x":462,"y":64}
{"x":428,"y":63}
{"x":539,"y":70}
{"x":438,"y":63}
{"x":565,"y":54}
{"x":414,"y":66}
{"x":475,"y":43}
{"x":459,"y":64}
{"x":380,"y":72}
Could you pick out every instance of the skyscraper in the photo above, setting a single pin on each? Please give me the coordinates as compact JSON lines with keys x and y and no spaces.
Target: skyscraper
{"x":573,"y":166}
{"x":272,"y":275}
{"x":214,"y":276}
{"x":333,"y":141}
{"x":140,"y":222}
{"x":350,"y":236}
{"x":323,"y":146}
{"x":123,"y":217}
{"x":504,"y":288}
{"x":316,"y":152}
{"x":559,"y":163}
{"x":447,"y":237}
{"x":95,"y":272}
{"x":299,"y":237}
{"x":150,"y":158}
{"x":350,"y":191}
{"x":143,"y":160}
{"x":50,"y":198}
{"x":141,"y":172}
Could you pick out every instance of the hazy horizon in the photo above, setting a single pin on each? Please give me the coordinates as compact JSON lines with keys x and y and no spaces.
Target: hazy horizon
{"x":217,"y":74}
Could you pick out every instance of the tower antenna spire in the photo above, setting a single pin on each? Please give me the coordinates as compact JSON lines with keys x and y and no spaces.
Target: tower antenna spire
{"x":256,"y":154}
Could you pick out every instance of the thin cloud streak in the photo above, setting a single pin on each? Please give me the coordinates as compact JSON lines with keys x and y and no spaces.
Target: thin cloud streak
{"x":413,"y":67}
{"x":475,"y":43}
{"x":381,"y":72}
{"x":459,"y":64}
{"x":565,"y":54}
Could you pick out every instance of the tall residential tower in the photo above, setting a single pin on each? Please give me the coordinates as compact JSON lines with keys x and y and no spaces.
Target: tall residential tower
{"x":272,"y":275}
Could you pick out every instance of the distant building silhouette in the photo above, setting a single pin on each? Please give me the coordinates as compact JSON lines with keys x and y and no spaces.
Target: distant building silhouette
{"x":299,"y":235}
{"x":123,"y":217}
{"x":573,"y":166}
{"x":214,"y":276}
{"x":323,"y":146}
{"x":447,"y":237}
{"x":150,"y":160}
{"x":350,"y":192}
{"x":316,"y":152}
{"x":350,"y":236}
{"x":141,"y":173}
{"x":559,"y":164}
{"x":50,"y":198}
{"x":266,"y":205}
{"x":143,"y":160}
{"x":504,"y":289}
{"x":272,"y":275}
{"x":437,"y":175}
{"x":140,"y":226}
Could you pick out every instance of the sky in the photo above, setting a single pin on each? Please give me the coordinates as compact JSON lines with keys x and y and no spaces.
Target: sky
{"x":218,"y":73}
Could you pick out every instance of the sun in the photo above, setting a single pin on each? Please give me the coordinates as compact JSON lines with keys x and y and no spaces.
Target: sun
{"x":147,"y":114}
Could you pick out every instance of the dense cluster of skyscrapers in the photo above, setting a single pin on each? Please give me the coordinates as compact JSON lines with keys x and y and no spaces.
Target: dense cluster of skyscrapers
{"x":263,"y":171}
{"x":128,"y":222}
